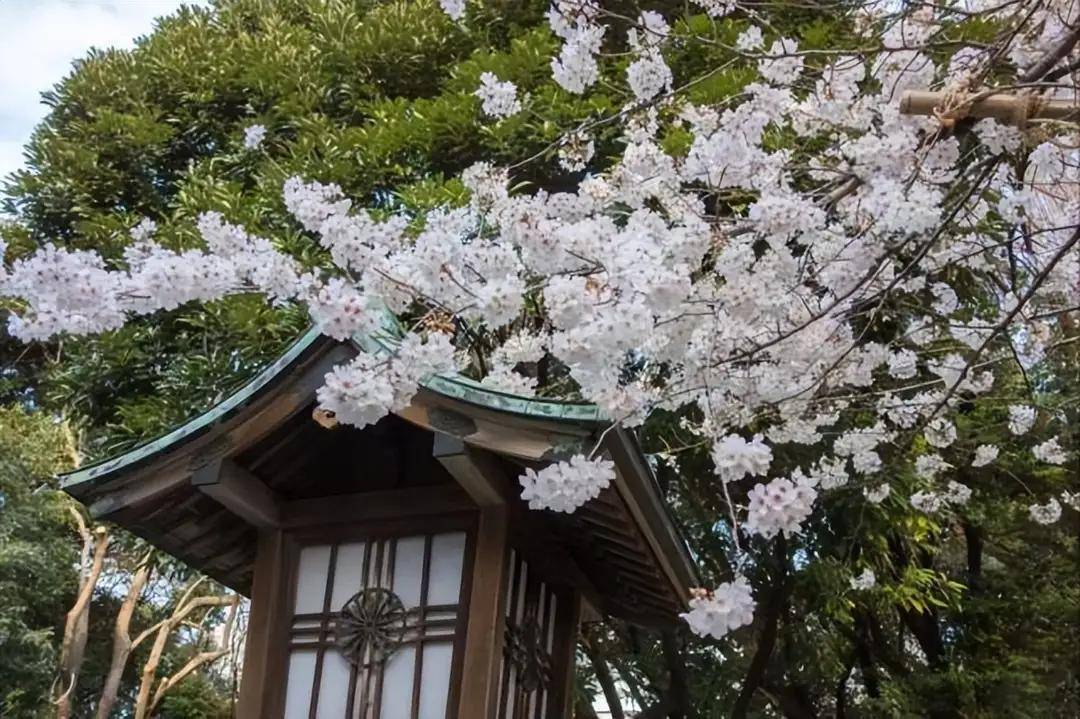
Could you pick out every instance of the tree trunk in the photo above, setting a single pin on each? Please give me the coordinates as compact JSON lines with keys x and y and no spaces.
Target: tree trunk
{"x":122,"y":644}
{"x":77,"y":621}
{"x":793,"y":702}
{"x":202,"y":658}
{"x":770,"y":621}
{"x":865,"y":658}
{"x":146,"y":700}
{"x":675,"y":702}
{"x":678,"y":687}
{"x":973,"y":538}
{"x":841,"y":690}
{"x":582,"y":710}
{"x":607,"y":682}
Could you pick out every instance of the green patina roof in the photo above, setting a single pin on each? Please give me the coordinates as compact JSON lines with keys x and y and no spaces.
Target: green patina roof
{"x":462,"y":388}
{"x":383,"y":341}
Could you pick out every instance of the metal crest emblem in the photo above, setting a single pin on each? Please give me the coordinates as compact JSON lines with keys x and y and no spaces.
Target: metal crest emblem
{"x":370,"y":626}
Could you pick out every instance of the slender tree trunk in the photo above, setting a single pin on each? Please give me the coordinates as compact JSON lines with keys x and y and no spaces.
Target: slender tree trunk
{"x":147,"y":699}
{"x":766,"y":642}
{"x":675,"y":702}
{"x":77,"y":621}
{"x":793,"y":702}
{"x":582,"y":710}
{"x":841,"y":690}
{"x":865,"y":657}
{"x":973,"y":538}
{"x":122,"y":644}
{"x":607,"y":682}
{"x":678,"y":687}
{"x":202,"y":658}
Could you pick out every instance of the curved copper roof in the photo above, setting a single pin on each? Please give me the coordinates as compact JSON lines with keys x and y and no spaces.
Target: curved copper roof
{"x":626,"y":535}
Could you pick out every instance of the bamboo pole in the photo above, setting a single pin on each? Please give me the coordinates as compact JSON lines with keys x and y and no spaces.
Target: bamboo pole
{"x":1007,"y":108}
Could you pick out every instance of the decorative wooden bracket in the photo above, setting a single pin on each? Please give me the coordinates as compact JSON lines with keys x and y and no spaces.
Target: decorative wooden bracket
{"x":240,"y":492}
{"x":477,"y":472}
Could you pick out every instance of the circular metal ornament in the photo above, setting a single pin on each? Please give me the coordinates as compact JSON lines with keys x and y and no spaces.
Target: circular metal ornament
{"x":370,"y":626}
{"x":525,"y":646}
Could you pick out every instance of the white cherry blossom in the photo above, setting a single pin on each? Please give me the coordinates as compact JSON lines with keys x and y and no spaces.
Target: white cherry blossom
{"x":877,"y":495}
{"x":498,"y":97}
{"x":940,"y":433}
{"x":984,"y":455}
{"x":928,"y":502}
{"x":735,"y":458}
{"x":864,"y":581}
{"x":1021,"y":419}
{"x":721,"y":611}
{"x":254,"y":136}
{"x":565,"y":486}
{"x":1050,"y":451}
{"x":454,"y":8}
{"x":780,"y":506}
{"x":957,"y":493}
{"x":1047,"y":513}
{"x":750,"y":39}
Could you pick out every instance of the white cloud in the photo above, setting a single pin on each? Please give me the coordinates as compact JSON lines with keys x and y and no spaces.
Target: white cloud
{"x":39,"y":39}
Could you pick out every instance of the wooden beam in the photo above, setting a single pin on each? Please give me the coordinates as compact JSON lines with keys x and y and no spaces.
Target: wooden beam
{"x":636,"y":487}
{"x":367,"y":506}
{"x":496,"y":435}
{"x":136,"y":492}
{"x":546,"y":546}
{"x":478,"y":473}
{"x":239,"y":491}
{"x":482,"y":662}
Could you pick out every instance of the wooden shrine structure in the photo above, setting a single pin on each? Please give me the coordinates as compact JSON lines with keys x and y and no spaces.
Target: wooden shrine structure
{"x":394,"y":572}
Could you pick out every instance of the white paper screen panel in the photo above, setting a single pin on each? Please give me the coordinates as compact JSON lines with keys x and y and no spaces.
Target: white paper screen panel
{"x":298,"y":687}
{"x":425,"y":572}
{"x":532,"y":609}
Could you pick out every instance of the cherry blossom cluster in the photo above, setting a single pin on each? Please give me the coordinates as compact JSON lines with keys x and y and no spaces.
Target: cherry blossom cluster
{"x":498,"y":98}
{"x":864,"y":581}
{"x":565,"y":486}
{"x":369,"y":387}
{"x":931,"y":502}
{"x":721,"y":611}
{"x":454,"y":8}
{"x":576,"y":67}
{"x":1047,"y":513}
{"x":735,"y":458}
{"x":780,"y":506}
{"x":254,"y":136}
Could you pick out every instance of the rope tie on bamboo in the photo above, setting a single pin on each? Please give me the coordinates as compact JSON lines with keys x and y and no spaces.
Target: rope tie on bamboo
{"x":955,"y":105}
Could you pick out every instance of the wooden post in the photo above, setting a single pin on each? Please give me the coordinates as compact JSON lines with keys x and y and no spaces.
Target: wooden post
{"x":262,"y":684}
{"x":564,"y":655}
{"x":487,"y":621}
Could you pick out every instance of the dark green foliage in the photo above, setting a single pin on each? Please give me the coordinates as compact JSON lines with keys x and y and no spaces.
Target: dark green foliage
{"x":37,"y":553}
{"x":196,"y":698}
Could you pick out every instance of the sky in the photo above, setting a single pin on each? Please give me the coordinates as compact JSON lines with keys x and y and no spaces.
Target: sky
{"x":38,"y":41}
